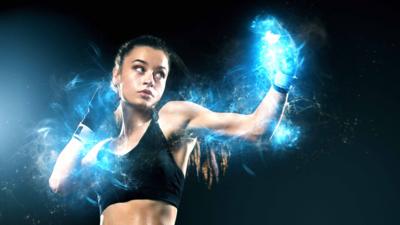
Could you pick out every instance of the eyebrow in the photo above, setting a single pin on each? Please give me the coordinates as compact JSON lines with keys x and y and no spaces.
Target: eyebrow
{"x":139,"y":60}
{"x":144,"y":62}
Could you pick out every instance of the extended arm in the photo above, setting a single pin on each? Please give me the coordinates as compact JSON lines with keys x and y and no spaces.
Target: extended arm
{"x":251,"y":126}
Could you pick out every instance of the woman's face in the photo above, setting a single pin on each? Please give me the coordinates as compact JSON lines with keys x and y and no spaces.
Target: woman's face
{"x":142,"y":78}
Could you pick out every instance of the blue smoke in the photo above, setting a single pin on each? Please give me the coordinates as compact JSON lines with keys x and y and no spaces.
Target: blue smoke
{"x":240,"y":90}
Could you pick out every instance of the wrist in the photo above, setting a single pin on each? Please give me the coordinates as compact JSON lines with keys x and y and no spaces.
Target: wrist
{"x":280,"y":89}
{"x":83,"y":133}
{"x":282,"y":81}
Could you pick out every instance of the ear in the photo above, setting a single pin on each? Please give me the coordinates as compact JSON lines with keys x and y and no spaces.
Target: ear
{"x":116,"y":75}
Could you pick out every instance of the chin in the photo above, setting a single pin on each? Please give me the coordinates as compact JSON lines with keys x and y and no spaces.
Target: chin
{"x":142,"y":104}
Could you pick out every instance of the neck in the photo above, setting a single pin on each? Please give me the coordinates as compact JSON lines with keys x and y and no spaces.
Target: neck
{"x":133,"y":118}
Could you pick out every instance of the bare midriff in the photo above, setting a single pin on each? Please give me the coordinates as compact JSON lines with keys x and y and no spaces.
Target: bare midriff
{"x":139,"y":212}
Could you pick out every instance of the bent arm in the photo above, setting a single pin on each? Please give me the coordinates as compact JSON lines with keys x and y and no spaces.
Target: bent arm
{"x":268,"y":114}
{"x":251,"y":126}
{"x":69,"y":160}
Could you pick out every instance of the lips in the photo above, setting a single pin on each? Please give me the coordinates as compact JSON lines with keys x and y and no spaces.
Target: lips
{"x":146,"y":91}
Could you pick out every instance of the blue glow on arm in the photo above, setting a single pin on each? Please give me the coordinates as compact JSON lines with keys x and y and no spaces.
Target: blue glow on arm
{"x":279,"y":59}
{"x":285,"y":135}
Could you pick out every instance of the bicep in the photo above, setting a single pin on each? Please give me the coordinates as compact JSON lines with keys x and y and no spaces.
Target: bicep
{"x":232,"y":124}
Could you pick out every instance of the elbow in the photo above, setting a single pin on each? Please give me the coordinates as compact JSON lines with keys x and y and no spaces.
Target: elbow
{"x":258,"y":134}
{"x":261,"y":130}
{"x":55,"y":184}
{"x":256,"y":137}
{"x":253,"y":135}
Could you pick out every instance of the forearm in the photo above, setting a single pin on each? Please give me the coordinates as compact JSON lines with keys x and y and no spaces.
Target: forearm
{"x":103,"y":102}
{"x":68,"y":161}
{"x":268,"y":114}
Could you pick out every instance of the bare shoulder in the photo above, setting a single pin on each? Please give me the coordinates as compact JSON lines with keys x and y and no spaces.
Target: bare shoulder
{"x":179,"y":107}
{"x":174,"y":116}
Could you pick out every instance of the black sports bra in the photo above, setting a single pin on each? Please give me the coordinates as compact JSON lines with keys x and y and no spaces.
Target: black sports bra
{"x":148,"y":171}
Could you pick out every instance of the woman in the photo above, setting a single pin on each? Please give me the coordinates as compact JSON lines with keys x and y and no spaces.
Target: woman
{"x":152,"y":169}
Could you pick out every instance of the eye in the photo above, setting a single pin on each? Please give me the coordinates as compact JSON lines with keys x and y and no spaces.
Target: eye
{"x":139,"y":69}
{"x":159,"y":75}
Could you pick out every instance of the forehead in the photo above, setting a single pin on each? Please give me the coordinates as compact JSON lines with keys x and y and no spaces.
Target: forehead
{"x":154,"y":57}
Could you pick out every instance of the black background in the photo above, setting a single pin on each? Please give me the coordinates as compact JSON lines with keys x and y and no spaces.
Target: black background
{"x":345,"y":170}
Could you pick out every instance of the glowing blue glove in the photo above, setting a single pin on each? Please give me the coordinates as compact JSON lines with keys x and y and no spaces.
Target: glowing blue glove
{"x":282,"y":82}
{"x":281,"y":58}
{"x":279,"y":55}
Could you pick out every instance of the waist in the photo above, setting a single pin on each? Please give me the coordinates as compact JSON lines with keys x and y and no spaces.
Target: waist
{"x":138,"y":212}
{"x":112,"y":195}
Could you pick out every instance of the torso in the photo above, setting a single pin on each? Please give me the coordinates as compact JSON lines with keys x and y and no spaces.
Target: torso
{"x":152,"y":212}
{"x":139,"y":212}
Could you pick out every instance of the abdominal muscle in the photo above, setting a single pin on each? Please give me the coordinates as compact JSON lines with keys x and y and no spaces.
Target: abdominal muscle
{"x":139,"y":212}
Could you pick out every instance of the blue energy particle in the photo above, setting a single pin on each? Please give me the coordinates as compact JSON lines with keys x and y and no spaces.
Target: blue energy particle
{"x":285,"y":135}
{"x":278,"y":52}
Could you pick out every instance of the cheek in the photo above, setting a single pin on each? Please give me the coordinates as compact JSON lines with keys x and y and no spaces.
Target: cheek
{"x":131,"y":83}
{"x":128,"y":90}
{"x":161,"y":89}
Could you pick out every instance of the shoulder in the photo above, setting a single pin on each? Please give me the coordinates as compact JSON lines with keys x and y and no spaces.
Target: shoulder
{"x":177,"y":106}
{"x":187,"y":114}
{"x":181,"y":108}
{"x":174,"y":116}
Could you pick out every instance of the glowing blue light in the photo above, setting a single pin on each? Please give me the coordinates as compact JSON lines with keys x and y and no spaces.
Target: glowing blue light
{"x":237,"y":92}
{"x":73,"y":83}
{"x":278,"y":58}
{"x":278,"y":53}
{"x":285,"y":135}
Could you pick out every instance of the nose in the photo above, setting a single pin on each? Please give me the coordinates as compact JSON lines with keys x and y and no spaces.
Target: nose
{"x":148,"y":79}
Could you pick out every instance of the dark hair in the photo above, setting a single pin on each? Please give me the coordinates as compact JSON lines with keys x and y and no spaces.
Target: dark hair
{"x":145,"y":40}
{"x":206,"y":163}
{"x":178,"y":70}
